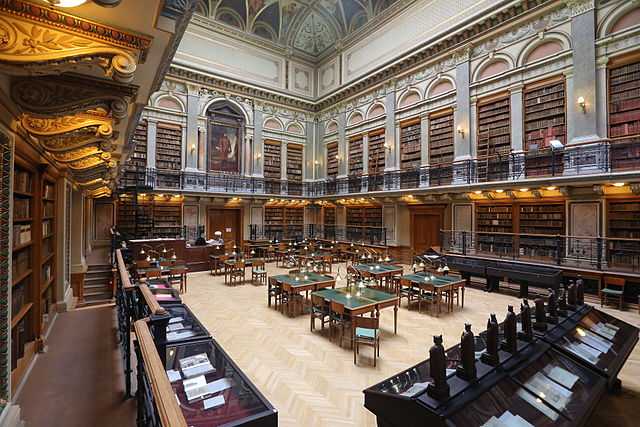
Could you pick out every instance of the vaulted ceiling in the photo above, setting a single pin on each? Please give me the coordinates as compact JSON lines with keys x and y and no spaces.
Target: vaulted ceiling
{"x":310,"y":26}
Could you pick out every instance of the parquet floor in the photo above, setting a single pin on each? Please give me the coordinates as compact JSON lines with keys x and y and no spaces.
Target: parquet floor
{"x":313,"y":382}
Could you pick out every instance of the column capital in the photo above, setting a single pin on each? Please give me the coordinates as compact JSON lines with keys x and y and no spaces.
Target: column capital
{"x":516,"y":88}
{"x":602,"y":62}
{"x":578,"y":7}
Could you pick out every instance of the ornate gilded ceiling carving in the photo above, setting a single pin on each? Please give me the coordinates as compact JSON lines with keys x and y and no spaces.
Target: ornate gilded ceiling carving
{"x":49,"y":126}
{"x":67,"y":94}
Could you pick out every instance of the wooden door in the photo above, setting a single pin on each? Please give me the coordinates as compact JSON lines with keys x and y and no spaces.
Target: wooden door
{"x":426,"y":231}
{"x":227,"y":221}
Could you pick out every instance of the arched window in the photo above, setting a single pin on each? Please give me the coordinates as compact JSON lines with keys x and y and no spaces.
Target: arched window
{"x":225,"y":124}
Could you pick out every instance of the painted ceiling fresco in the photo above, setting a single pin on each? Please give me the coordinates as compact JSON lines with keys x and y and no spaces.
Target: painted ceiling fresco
{"x":310,"y":26}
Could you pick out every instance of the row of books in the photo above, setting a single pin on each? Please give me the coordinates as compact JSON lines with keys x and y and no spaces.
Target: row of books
{"x":21,"y":262}
{"x":22,"y":208}
{"x":47,"y":228}
{"x":49,"y":192}
{"x":19,"y":295}
{"x":22,"y":181}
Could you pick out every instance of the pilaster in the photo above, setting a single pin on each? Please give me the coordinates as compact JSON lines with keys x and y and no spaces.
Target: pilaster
{"x":462,"y":112}
{"x":152,"y":130}
{"x":191,"y":135}
{"x":365,"y":154}
{"x":258,"y":143}
{"x":515,"y":100}
{"x":342,"y":144}
{"x":391,"y":149}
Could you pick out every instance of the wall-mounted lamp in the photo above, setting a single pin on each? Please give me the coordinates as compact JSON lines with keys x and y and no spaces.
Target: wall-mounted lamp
{"x":258,"y":156}
{"x":338,"y":157}
{"x":388,"y":146}
{"x":193,"y":148}
{"x":582,"y":104}
{"x":316,"y":162}
{"x":460,"y":131}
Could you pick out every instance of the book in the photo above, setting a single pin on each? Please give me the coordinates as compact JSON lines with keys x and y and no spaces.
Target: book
{"x":195,"y":388}
{"x":198,"y":364}
{"x":175,"y":336}
{"x":213,"y":402}
{"x":219,"y":385}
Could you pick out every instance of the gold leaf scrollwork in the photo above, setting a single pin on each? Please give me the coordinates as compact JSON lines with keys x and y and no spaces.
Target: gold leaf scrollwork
{"x":45,"y":126}
{"x":86,"y":163}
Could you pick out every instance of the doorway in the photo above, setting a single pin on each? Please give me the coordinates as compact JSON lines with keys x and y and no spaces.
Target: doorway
{"x":426,"y":224}
{"x":227,"y":221}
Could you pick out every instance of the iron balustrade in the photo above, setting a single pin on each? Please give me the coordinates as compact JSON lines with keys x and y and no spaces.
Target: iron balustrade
{"x":599,"y":253}
{"x":572,"y":160}
{"x":356,"y":234}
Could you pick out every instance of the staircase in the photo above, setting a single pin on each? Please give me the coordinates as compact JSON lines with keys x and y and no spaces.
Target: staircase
{"x":97,"y":285}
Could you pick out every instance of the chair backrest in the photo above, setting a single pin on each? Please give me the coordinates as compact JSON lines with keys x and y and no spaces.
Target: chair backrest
{"x":614,"y":282}
{"x":366,"y":322}
{"x":143,"y":264}
{"x":317,"y":301}
{"x":405,"y":282}
{"x":294,"y":271}
{"x":153,"y":273}
{"x":337,"y":308}
{"x":165,"y":263}
{"x":238,"y":264}
{"x":257,"y":263}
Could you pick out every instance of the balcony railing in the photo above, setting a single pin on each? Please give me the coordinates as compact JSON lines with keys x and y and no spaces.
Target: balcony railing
{"x":598,"y":253}
{"x":351,"y":233}
{"x":592,"y":158}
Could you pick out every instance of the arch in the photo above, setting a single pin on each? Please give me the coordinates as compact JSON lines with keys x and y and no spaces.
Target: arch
{"x":410,"y":97}
{"x":169,"y":102}
{"x":221,"y":100}
{"x":332,"y":126}
{"x":439,"y":86}
{"x":202,"y":8}
{"x":354,"y":118}
{"x":272,"y":123}
{"x":230,"y":17}
{"x":265,"y":31}
{"x":295,"y":127}
{"x":376,"y":110}
{"x":491,"y":66}
{"x":549,"y":45}
{"x":622,"y":18}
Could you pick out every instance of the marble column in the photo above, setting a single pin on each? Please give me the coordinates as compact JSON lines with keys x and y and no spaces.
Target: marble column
{"x":365,"y":154}
{"x":583,"y":124}
{"x":258,"y":143}
{"x":424,"y":140}
{"x":309,"y":151}
{"x":152,"y":129}
{"x":602,"y":105}
{"x":391,"y":155}
{"x":193,"y":112}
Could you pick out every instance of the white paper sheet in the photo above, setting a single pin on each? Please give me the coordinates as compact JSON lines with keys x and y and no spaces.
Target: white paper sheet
{"x":219,"y":385}
{"x":562,"y":376}
{"x":213,"y":402}
{"x":173,"y":375}
{"x":176,"y":319}
{"x":415,"y":389}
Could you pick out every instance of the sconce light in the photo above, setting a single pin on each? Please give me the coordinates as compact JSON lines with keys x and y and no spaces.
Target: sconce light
{"x":388,"y":146}
{"x":582,"y":104}
{"x":258,"y":156}
{"x":460,"y":131}
{"x":193,"y":148}
{"x":316,"y":162}
{"x":338,"y":157}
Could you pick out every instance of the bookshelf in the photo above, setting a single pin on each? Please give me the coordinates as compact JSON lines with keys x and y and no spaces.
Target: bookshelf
{"x":544,"y":114}
{"x":332,"y":160}
{"x":624,"y":223}
{"x":441,"y":137}
{"x":274,"y":220}
{"x":548,"y":218}
{"x":355,"y":156}
{"x":624,"y":100}
{"x":272,"y":155}
{"x":169,"y":147}
{"x":294,"y":162}
{"x":410,"y":144}
{"x":294,"y":219}
{"x":137,"y":161}
{"x":144,"y":217}
{"x":25,"y":278}
{"x":376,"y":152}
{"x":494,"y":219}
{"x":47,"y":265}
{"x":126,"y":215}
{"x":283,"y":222}
{"x":167,"y":218}
{"x":494,"y":130}
{"x":329,"y":215}
{"x":364,"y":216}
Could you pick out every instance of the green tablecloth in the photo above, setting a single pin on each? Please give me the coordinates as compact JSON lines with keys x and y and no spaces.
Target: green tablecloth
{"x":437,"y":281}
{"x":354,"y":297}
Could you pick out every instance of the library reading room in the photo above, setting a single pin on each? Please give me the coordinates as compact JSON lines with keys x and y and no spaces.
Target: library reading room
{"x":319,"y":213}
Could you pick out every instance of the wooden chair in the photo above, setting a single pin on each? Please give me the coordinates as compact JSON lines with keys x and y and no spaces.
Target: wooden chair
{"x":179,"y":275}
{"x":143,"y":263}
{"x":319,"y":310}
{"x":165,"y":263}
{"x":274,"y":290}
{"x":258,"y":272}
{"x":408,"y":291}
{"x":292,"y":300}
{"x":327,"y":261}
{"x":426,"y":295}
{"x":338,"y":317}
{"x":366,"y":331}
{"x":613,"y":289}
{"x":236,"y":273}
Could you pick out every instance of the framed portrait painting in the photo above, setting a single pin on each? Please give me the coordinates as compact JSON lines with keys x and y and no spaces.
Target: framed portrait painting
{"x":224,"y":148}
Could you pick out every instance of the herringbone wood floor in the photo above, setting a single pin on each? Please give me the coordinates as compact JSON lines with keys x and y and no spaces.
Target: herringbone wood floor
{"x":313,"y":382}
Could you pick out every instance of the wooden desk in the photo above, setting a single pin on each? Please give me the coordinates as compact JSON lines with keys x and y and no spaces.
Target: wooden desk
{"x":439,"y":285}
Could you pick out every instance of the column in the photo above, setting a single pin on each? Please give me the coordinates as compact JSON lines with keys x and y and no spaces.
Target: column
{"x":188,"y":149}
{"x":582,"y":125}
{"x":193,"y":111}
{"x":391,"y":155}
{"x":258,"y":143}
{"x":309,"y":149}
{"x":424,"y":150}
{"x":342,"y":145}
{"x":152,"y":128}
{"x":320,"y":161}
{"x":602,"y":96}
{"x":365,"y":154}
{"x":462,"y":113}
{"x":78,"y":261}
{"x":283,"y":159}
{"x":473,"y":119}
{"x":515,"y":101}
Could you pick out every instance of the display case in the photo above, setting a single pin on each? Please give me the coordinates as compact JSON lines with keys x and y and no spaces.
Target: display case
{"x":536,"y":386}
{"x":597,"y":340}
{"x":180,"y":324}
{"x":220,"y":393}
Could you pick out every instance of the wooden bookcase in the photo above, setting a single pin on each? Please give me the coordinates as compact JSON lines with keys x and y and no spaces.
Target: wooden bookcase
{"x":294,"y":162}
{"x":494,"y":127}
{"x":332,"y":160}
{"x":540,"y":218}
{"x":167,"y":218}
{"x":169,"y":147}
{"x":355,"y":156}
{"x":376,"y":152}
{"x":364,"y":216}
{"x":126,"y":215}
{"x":329,"y":215}
{"x":294,"y":219}
{"x":144,"y":217}
{"x":272,"y":160}
{"x":624,"y":100}
{"x":494,"y":219}
{"x":33,"y":267}
{"x":284,"y":221}
{"x":441,"y":137}
{"x":544,"y":114}
{"x":410,"y":144}
{"x":623,"y":218}
{"x":136,"y":164}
